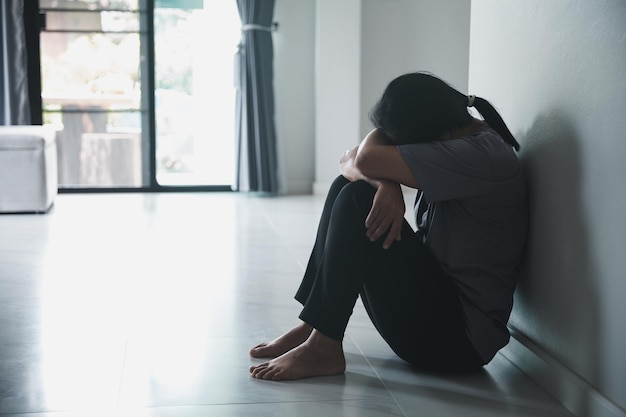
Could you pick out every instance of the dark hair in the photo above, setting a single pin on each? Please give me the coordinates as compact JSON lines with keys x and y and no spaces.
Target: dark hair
{"x":419,"y":107}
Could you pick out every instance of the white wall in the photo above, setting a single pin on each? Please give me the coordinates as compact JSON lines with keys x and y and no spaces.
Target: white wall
{"x":337,"y":85}
{"x":557,"y":73}
{"x":361,"y":46}
{"x":294,"y":72}
{"x":400,"y":36}
{"x":334,"y":58}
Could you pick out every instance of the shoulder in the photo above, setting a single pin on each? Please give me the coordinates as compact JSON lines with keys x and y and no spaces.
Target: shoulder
{"x":482,"y":155}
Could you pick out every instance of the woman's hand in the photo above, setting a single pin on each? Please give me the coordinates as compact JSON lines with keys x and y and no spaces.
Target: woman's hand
{"x":347,"y":167}
{"x":387,"y":214}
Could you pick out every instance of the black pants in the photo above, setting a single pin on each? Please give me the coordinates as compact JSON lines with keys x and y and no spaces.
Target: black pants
{"x":412,"y":303}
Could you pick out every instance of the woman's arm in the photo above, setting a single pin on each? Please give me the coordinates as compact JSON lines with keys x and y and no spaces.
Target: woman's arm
{"x":348,"y":169}
{"x":377,"y":157}
{"x":387,"y":213}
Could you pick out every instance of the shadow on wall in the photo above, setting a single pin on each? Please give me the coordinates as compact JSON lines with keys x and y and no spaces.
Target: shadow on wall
{"x":556,"y":302}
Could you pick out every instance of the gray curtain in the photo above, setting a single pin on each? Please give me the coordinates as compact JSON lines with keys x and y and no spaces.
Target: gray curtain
{"x":257,"y":168}
{"x":14,"y":101}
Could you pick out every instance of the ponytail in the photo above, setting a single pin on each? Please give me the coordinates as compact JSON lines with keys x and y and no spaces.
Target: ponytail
{"x":419,"y":107}
{"x":493,"y":119}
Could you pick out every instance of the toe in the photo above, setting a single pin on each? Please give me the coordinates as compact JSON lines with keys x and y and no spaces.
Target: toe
{"x":259,"y":371}
{"x":257,"y":349}
{"x":270,"y":373}
{"x":277,"y":376}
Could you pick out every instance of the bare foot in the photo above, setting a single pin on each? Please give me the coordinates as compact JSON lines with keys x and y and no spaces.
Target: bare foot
{"x":318,"y":356}
{"x":286,"y":342}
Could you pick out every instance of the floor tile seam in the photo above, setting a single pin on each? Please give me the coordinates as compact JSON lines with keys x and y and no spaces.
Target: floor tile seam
{"x":545,"y":391}
{"x":393,"y":397}
{"x":507,"y":402}
{"x":122,"y":408}
{"x":120,"y":385}
{"x":282,"y":239}
{"x":523,"y":404}
{"x":251,"y":403}
{"x":519,"y":402}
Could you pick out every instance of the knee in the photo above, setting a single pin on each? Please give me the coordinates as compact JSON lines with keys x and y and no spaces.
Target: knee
{"x":346,"y":187}
{"x":358,"y":194}
{"x":360,"y":187}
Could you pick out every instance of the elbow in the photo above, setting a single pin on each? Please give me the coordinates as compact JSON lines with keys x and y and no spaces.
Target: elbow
{"x":363,"y":162}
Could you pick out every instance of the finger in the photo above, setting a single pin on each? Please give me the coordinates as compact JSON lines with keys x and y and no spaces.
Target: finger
{"x":391,"y":237}
{"x":397,"y":227}
{"x":373,"y":230}
{"x":371,"y":217}
{"x":395,"y":234}
{"x":379,"y":230}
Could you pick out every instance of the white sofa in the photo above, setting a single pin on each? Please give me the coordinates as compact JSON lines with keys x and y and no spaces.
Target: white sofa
{"x":28,"y":169}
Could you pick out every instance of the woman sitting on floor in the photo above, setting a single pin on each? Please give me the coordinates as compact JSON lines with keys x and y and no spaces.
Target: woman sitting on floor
{"x":440,"y":296}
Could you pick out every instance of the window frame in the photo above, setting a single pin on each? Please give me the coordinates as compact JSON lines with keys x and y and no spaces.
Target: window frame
{"x":34,"y":19}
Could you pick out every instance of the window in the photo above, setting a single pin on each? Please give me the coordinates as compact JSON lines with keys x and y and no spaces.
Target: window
{"x":140,"y":93}
{"x":195,"y":44}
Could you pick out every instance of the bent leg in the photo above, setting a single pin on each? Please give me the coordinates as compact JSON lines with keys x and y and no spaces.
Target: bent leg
{"x":415,"y":307}
{"x":300,"y":333}
{"x":411,"y":302}
{"x":317,"y":254}
{"x":333,"y":281}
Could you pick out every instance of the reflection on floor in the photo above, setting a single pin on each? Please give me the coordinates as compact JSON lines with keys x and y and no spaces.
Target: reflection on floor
{"x":146,"y":305}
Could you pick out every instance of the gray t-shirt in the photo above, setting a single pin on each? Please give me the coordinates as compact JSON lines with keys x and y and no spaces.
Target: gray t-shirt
{"x":472,"y":210}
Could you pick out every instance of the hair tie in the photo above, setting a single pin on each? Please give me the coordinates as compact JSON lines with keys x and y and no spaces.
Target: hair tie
{"x":470,"y":101}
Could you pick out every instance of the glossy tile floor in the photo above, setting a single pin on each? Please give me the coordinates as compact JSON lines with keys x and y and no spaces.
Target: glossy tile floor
{"x":146,"y":305}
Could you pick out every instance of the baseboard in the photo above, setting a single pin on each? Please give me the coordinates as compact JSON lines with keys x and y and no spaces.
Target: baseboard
{"x":573,"y":392}
{"x":297,"y":187}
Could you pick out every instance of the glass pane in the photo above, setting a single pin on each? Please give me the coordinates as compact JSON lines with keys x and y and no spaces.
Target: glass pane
{"x":93,"y":70}
{"x":97,"y":148}
{"x":89,"y":4}
{"x":95,"y":21}
{"x":195,"y":96}
{"x":91,"y":95}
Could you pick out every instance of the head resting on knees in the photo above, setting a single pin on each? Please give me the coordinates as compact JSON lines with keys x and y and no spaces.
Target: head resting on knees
{"x":419,"y":107}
